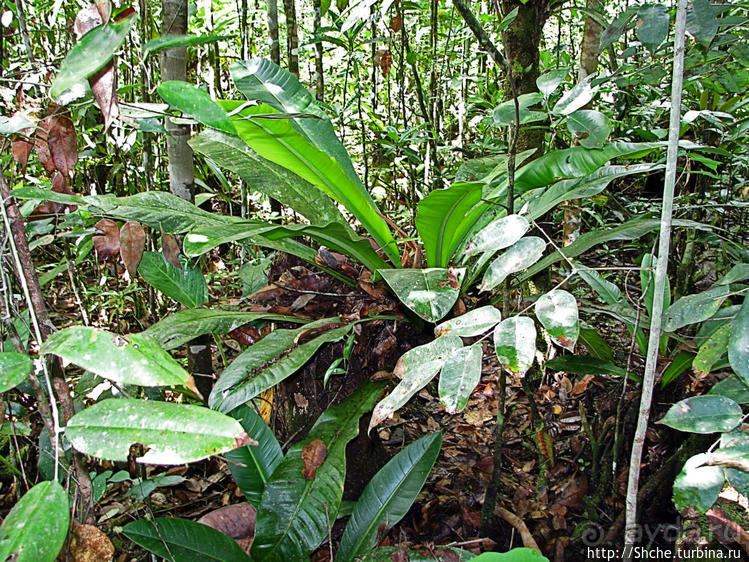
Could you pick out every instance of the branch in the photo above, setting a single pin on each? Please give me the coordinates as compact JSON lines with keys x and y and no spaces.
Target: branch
{"x":483,"y":38}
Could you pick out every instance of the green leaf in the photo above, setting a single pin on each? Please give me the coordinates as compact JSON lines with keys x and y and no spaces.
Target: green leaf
{"x":461,"y":373}
{"x":515,"y":344}
{"x":703,"y":414}
{"x":521,"y":255}
{"x":680,"y":364}
{"x":269,"y":361}
{"x":738,"y":346}
{"x":701,"y":22}
{"x":185,"y":284}
{"x":415,"y":368}
{"x":278,"y":141}
{"x":171,"y":433}
{"x":171,"y":41}
{"x":732,"y":387}
{"x":182,"y":540}
{"x":498,"y":235}
{"x":692,"y":309}
{"x":595,"y":344}
{"x":132,"y":359}
{"x":522,"y":554}
{"x":90,"y":55}
{"x":504,"y":113}
{"x":388,"y":496}
{"x":548,"y":82}
{"x":577,"y":97}
{"x":429,"y":293}
{"x":252,"y":465}
{"x":712,"y":350}
{"x":36,"y":527}
{"x":738,"y":273}
{"x":609,"y":293}
{"x":184,"y":325}
{"x":296,"y":513}
{"x":196,"y":102}
{"x":590,"y":127}
{"x":14,"y":369}
{"x":472,"y":323}
{"x":697,"y":486}
{"x":584,"y":365}
{"x":652,"y":25}
{"x":264,"y":176}
{"x":557,"y":311}
{"x":14,"y":124}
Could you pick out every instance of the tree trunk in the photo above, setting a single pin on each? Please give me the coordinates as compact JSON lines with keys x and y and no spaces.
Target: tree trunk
{"x":275,"y":46}
{"x":292,"y":37}
{"x":319,"y":71}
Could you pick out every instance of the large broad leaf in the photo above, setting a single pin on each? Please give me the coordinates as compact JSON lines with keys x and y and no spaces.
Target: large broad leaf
{"x":460,"y":375}
{"x":296,"y":512}
{"x":498,"y":235}
{"x":415,"y":368}
{"x":170,"y":433}
{"x":90,"y":55}
{"x":182,"y":540}
{"x":430,"y":293}
{"x":578,"y":96}
{"x":701,"y":21}
{"x":515,"y":344}
{"x":277,"y":140}
{"x":738,"y":346}
{"x":184,"y":325}
{"x":269,"y":361}
{"x":14,"y":369}
{"x":617,"y":27}
{"x":184,"y":284}
{"x":521,"y":255}
{"x":703,"y":414}
{"x":266,"y":177}
{"x":732,"y":387}
{"x":252,"y":465}
{"x":557,"y":311}
{"x":521,"y":554}
{"x":584,"y":365}
{"x":133,"y":359}
{"x":263,"y":80}
{"x":692,"y":309}
{"x":388,"y":496}
{"x":548,"y":82}
{"x":472,"y":323}
{"x":36,"y":527}
{"x":697,"y":486}
{"x":652,"y":25}
{"x":171,"y":41}
{"x":591,"y":128}
{"x":445,"y":217}
{"x":197,"y":103}
{"x":504,"y":113}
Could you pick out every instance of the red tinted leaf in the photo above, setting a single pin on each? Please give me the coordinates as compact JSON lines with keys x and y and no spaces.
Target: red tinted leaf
{"x":384,"y":59}
{"x":63,"y":142}
{"x":132,"y":244}
{"x":106,"y":239}
{"x":396,"y":24}
{"x":42,"y":148}
{"x":246,"y":334}
{"x":21,"y":147}
{"x":313,"y":455}
{"x":545,"y":446}
{"x":170,"y":249}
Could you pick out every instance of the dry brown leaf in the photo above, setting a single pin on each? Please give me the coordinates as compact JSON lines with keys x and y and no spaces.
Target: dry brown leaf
{"x":89,"y":544}
{"x":132,"y":244}
{"x":545,"y":446}
{"x":236,"y":521}
{"x":170,"y":249}
{"x":106,"y":239}
{"x":313,"y":455}
{"x":42,"y":147}
{"x":63,"y":142}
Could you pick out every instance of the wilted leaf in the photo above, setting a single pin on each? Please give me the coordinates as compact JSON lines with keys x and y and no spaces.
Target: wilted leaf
{"x":170,"y":249}
{"x":515,"y":344}
{"x":522,"y":254}
{"x":313,"y":455}
{"x":557,"y":311}
{"x":41,"y":146}
{"x":88,"y":543}
{"x":470,"y":324}
{"x":107,"y":239}
{"x":236,"y":521}
{"x":63,"y":142}
{"x":132,"y":244}
{"x":545,"y":446}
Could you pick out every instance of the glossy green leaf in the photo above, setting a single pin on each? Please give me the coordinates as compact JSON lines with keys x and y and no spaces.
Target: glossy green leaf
{"x":703,"y":414}
{"x":515,"y":344}
{"x":609,"y":293}
{"x":498,"y":235}
{"x":171,"y":41}
{"x":521,"y":255}
{"x":712,"y":350}
{"x":591,"y":128}
{"x":185,"y":284}
{"x":701,"y":21}
{"x":652,"y":25}
{"x":575,"y":98}
{"x":692,"y":309}
{"x":445,"y":217}
{"x":36,"y":527}
{"x":472,"y":323}
{"x":269,"y":361}
{"x":504,"y":113}
{"x":460,"y":375}
{"x":617,"y":27}
{"x":182,"y":540}
{"x":595,"y":344}
{"x":521,"y":554}
{"x":548,"y":82}
{"x":697,"y":486}
{"x":584,"y":365}
{"x":14,"y":369}
{"x":132,"y":359}
{"x":737,"y":274}
{"x":388,"y":496}
{"x":184,"y":325}
{"x":252,"y":465}
{"x":171,"y":433}
{"x":296,"y":513}
{"x":680,"y":364}
{"x":429,"y":293}
{"x":557,"y":312}
{"x":196,"y":102}
{"x":415,"y":368}
{"x":269,"y":178}
{"x":277,"y":140}
{"x":90,"y":55}
{"x":732,"y":387}
{"x":738,"y":345}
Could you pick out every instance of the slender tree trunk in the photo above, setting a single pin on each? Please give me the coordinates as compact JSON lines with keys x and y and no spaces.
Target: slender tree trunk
{"x":275,"y":45}
{"x":319,"y":71}
{"x":292,"y":37}
{"x":244,"y":39}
